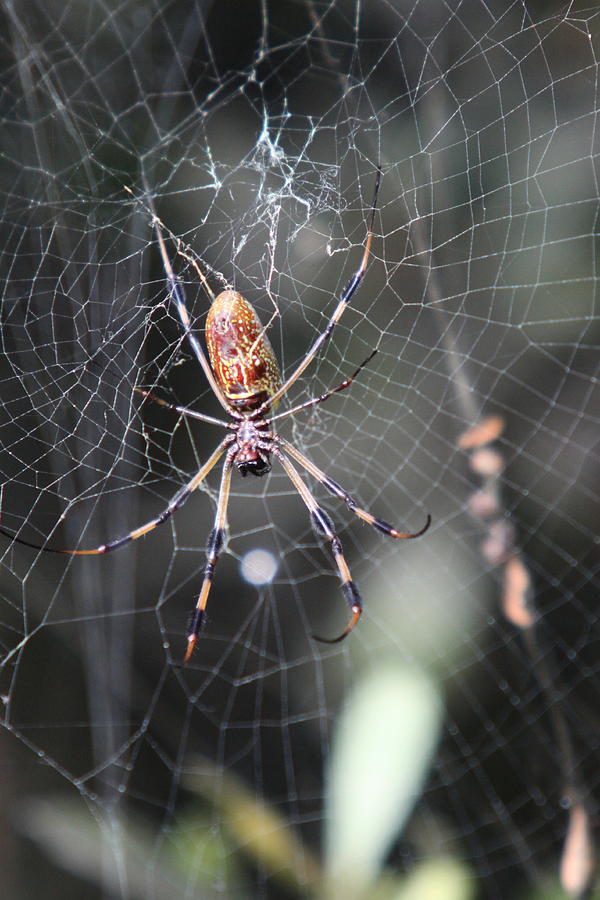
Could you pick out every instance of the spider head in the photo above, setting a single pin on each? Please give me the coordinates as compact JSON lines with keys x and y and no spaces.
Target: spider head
{"x":258,"y":466}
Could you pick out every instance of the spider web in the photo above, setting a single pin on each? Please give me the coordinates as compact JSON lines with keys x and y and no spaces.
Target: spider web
{"x":258,"y":128}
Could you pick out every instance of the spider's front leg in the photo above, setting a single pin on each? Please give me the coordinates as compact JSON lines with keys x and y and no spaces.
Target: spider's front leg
{"x":338,"y":491}
{"x":174,"y":504}
{"x":213,"y":551}
{"x":324,"y":526}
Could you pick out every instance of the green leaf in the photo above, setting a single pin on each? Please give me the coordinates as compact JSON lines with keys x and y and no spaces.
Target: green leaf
{"x":88,"y":845}
{"x":433,"y":879}
{"x":381,"y":753}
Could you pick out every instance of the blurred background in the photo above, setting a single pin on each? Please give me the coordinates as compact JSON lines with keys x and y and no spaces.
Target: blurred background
{"x":448,"y":748}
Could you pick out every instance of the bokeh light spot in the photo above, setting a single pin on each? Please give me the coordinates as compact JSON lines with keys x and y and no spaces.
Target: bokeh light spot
{"x":258,"y":567}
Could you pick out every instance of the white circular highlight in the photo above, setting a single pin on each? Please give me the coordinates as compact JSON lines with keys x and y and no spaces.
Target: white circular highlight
{"x":258,"y":567}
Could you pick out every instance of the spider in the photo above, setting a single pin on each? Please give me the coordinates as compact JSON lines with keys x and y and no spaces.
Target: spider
{"x":244,"y":376}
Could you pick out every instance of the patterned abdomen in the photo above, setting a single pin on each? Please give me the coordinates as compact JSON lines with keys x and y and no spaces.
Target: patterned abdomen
{"x":240,"y":353}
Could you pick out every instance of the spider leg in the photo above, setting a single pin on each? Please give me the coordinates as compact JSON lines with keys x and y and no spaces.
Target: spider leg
{"x":174,"y":504}
{"x":324,"y":526}
{"x":176,"y":291}
{"x":183,"y":410}
{"x":314,"y":400}
{"x":213,"y":551}
{"x":342,"y":304}
{"x":337,"y":490}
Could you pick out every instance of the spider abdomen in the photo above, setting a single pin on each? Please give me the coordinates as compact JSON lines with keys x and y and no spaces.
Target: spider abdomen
{"x":240,"y":353}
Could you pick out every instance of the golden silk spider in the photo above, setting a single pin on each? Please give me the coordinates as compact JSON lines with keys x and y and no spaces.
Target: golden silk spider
{"x":244,"y":376}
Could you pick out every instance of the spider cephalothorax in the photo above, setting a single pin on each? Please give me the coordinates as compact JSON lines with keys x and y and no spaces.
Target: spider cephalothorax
{"x":253,"y":448}
{"x":244,"y":376}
